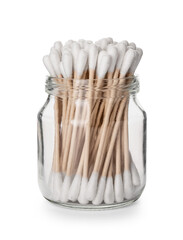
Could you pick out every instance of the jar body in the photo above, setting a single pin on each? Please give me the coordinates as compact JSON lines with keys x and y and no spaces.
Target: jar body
{"x":91,"y":151}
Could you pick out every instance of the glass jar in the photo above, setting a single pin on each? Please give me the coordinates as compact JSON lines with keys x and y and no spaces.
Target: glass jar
{"x":92,"y":143}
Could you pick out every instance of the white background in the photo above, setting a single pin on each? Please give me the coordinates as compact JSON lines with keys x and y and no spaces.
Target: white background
{"x":28,"y":29}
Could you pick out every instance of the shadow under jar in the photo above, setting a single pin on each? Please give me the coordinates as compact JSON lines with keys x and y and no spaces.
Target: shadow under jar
{"x":92,"y":143}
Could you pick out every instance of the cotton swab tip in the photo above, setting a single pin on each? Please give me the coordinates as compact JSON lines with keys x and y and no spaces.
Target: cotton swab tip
{"x":100,"y":192}
{"x":82,"y":195}
{"x":92,"y":187}
{"x":65,"y":189}
{"x":75,"y":188}
{"x":109,"y":191}
{"x":128,"y":185}
{"x":118,"y":188}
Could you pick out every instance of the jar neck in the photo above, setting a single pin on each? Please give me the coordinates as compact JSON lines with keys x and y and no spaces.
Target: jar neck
{"x":93,"y":88}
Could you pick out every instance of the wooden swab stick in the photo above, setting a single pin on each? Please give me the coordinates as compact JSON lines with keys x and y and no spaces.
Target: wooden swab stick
{"x":118,"y":182}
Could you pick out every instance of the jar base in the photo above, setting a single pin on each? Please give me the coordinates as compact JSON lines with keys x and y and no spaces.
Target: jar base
{"x":100,"y":207}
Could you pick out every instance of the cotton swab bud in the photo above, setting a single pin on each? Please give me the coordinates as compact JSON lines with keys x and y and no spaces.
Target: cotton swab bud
{"x":82,"y":195}
{"x":75,"y":51}
{"x":128,"y":185}
{"x":125,"y":42}
{"x":121,"y":53}
{"x":134,"y":63}
{"x":109,"y":191}
{"x":138,"y":56}
{"x":109,"y":40}
{"x":55,"y":60}
{"x":100,"y":55}
{"x":100,"y":192}
{"x":81,"y":42}
{"x":118,"y":188}
{"x":58,"y":46}
{"x":113,"y":52}
{"x":140,"y":53}
{"x":67,"y":64}
{"x":81,"y":62}
{"x":92,"y":58}
{"x":55,"y":184}
{"x":68,"y":43}
{"x":48,"y":65}
{"x":104,"y":66}
{"x":92,"y":186}
{"x":104,"y":44}
{"x":75,"y":188}
{"x":65,"y":189}
{"x":133,"y":45}
{"x":128,"y":60}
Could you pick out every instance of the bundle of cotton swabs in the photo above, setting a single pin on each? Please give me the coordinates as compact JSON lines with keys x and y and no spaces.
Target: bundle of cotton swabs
{"x":91,"y":160}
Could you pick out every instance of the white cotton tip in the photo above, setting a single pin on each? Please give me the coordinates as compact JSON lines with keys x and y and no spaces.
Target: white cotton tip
{"x":65,"y":189}
{"x":133,"y":45}
{"x":75,"y":48}
{"x":86,"y":46}
{"x":67,"y":64}
{"x":82,"y":195}
{"x":125,"y":42}
{"x":104,"y":44}
{"x":55,"y":60}
{"x":66,"y":50}
{"x":138,"y":56}
{"x":104,"y":66}
{"x":140,"y":53}
{"x":118,"y":188}
{"x":100,"y":55}
{"x":127,"y":62}
{"x":81,"y":43}
{"x":109,"y":191}
{"x":58,"y":46}
{"x":121,"y":53}
{"x":92,"y":58}
{"x":62,"y":71}
{"x":55,"y":185}
{"x":134,"y":63}
{"x":135,"y":174}
{"x":48,"y":65}
{"x":75,"y":188}
{"x":128,"y":185}
{"x":68,"y":43}
{"x":92,"y":187}
{"x":109,"y":40}
{"x":81,"y":62}
{"x":113,"y":53}
{"x":100,"y":191}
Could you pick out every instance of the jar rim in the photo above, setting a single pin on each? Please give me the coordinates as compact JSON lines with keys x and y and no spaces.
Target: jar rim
{"x":128,"y":84}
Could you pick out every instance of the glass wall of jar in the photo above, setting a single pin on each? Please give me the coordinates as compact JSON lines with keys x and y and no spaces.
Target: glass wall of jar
{"x":92,"y":143}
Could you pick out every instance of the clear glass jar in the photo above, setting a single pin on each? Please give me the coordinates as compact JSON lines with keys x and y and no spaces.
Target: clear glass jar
{"x":92,"y":143}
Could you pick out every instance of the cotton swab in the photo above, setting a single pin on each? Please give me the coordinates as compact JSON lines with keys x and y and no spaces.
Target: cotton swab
{"x":118,"y":181}
{"x":82,"y":59}
{"x":92,"y":60}
{"x":92,"y":184}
